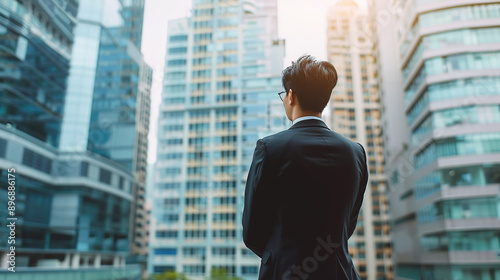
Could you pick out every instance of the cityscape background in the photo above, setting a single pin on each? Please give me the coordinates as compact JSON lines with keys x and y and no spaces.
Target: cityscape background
{"x":127,"y":128}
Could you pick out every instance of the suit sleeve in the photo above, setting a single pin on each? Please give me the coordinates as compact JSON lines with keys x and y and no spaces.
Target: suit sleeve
{"x":360,"y":195}
{"x":256,"y":223}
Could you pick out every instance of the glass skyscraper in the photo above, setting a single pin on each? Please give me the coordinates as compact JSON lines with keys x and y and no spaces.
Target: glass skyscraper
{"x":444,"y":128}
{"x":222,"y":74}
{"x":36,"y":48}
{"x":354,"y":111}
{"x":108,"y":100}
{"x":74,"y":121}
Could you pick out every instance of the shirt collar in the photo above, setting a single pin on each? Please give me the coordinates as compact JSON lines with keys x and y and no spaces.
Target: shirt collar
{"x":306,"y":118}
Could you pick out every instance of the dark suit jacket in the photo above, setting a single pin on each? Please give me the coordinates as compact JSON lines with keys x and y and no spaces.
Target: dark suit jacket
{"x":304,"y":191}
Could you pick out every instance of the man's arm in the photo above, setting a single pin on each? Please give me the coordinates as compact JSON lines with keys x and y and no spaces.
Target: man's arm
{"x":256,"y":223}
{"x":359,"y":198}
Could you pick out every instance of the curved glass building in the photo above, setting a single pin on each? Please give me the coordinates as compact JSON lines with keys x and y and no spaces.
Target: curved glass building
{"x":445,"y":176}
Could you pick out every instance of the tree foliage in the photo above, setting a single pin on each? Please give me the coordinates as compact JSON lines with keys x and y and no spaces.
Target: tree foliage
{"x":169,"y":275}
{"x":221,"y":274}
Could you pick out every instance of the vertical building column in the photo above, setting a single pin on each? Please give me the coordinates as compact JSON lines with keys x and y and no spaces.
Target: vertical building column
{"x":66,"y":262}
{"x":361,"y":137}
{"x":75,"y":261}
{"x":97,"y":261}
{"x":5,"y":260}
{"x":116,"y":261}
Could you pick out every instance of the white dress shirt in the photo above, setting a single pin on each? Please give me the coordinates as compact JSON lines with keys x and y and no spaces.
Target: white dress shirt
{"x":306,"y":118}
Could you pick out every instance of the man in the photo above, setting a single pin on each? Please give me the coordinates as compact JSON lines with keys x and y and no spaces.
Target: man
{"x":305,"y":186}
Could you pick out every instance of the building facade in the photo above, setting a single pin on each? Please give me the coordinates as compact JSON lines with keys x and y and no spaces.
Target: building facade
{"x":354,"y":111}
{"x":74,"y":125}
{"x":444,"y":171}
{"x":222,"y":75}
{"x":108,"y":99}
{"x":36,"y":50}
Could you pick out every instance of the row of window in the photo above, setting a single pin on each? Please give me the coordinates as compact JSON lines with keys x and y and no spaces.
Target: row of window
{"x":177,"y":50}
{"x":458,"y":209}
{"x":487,"y":240}
{"x":456,"y":116}
{"x":178,"y":38}
{"x":203,"y":12}
{"x":176,"y":75}
{"x":446,"y":16}
{"x":454,"y":63}
{"x":216,"y":170}
{"x":200,"y":269}
{"x":197,"y":251}
{"x":193,"y":185}
{"x":473,"y":89}
{"x":472,"y":12}
{"x":202,"y":36}
{"x":197,"y":201}
{"x":452,"y":39}
{"x":44,"y":164}
{"x":455,"y":177}
{"x":471,"y":144}
{"x":178,"y":88}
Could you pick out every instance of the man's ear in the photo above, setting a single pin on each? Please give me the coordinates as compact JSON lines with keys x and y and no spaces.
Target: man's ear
{"x":291,"y":97}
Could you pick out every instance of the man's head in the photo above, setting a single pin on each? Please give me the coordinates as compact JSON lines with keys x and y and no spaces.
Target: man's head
{"x":308,"y":83}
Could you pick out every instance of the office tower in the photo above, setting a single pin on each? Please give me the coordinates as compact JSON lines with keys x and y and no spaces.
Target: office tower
{"x":444,"y":172}
{"x":69,"y":206}
{"x":354,"y":111}
{"x":108,"y":98}
{"x":222,"y":76}
{"x":74,"y":91}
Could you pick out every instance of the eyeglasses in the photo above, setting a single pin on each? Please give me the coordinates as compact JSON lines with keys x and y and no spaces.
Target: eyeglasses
{"x":280,"y":94}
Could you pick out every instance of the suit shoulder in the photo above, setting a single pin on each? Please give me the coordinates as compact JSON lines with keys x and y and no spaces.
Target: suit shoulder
{"x":356,"y":147}
{"x":273,"y":143}
{"x":270,"y":139}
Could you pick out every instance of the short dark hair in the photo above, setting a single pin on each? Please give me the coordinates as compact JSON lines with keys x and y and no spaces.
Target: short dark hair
{"x":311,"y":80}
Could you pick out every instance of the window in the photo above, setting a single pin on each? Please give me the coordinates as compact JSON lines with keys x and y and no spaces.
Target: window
{"x":169,"y":186}
{"x":84,"y":168}
{"x":166,"y":251}
{"x":195,"y":234}
{"x":223,"y":251}
{"x":178,"y":38}
{"x":177,"y":50}
{"x":170,"y":203}
{"x":37,"y":161}
{"x":223,"y":233}
{"x":163,"y":268}
{"x":196,"y":217}
{"x":3,"y":148}
{"x":249,"y":270}
{"x":121,"y":183}
{"x":105,"y":176}
{"x":177,"y":62}
{"x":170,"y":218}
{"x":166,"y":234}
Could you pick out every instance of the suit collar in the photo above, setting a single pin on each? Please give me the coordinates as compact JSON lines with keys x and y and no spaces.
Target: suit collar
{"x":309,"y":123}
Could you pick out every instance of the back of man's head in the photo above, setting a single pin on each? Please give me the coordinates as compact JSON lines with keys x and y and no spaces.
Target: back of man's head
{"x":312,"y":81}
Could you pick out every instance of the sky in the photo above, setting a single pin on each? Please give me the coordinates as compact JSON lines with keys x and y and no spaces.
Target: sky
{"x":302,"y":23}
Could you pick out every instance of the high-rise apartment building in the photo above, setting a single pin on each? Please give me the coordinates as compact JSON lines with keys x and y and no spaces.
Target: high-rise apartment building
{"x":222,"y":74}
{"x":443,"y":123}
{"x":74,"y":116}
{"x":354,"y":111}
